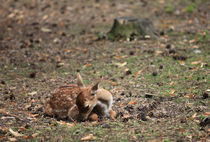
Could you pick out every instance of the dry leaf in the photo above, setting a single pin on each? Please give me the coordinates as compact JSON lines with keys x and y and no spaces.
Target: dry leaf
{"x":84,"y":50}
{"x":155,"y":140}
{"x":68,"y":50}
{"x":122,"y":104}
{"x":121,"y":64}
{"x":182,"y":130}
{"x":147,"y":37}
{"x":87,"y":65}
{"x":27,"y":106}
{"x":157,"y":52}
{"x":111,"y":82}
{"x":11,"y":15}
{"x":7,"y":117}
{"x":195,"y":69}
{"x":46,"y":30}
{"x":12,"y":139}
{"x":182,"y":63}
{"x":33,"y":93}
{"x":189,"y":137}
{"x":58,"y":58}
{"x":196,"y":62}
{"x":119,"y":57}
{"x":22,"y":128}
{"x":61,"y":24}
{"x":134,"y":137}
{"x":126,"y":116}
{"x":65,"y":123}
{"x":88,"y":137}
{"x":132,"y":103}
{"x":126,"y":69}
{"x":52,"y":14}
{"x":192,"y":40}
{"x":194,"y":115}
{"x":91,"y":71}
{"x":172,"y":83}
{"x":35,"y":135}
{"x":24,"y":88}
{"x":138,"y":72}
{"x":12,"y":103}
{"x":60,"y":64}
{"x":16,"y":134}
{"x":207,"y":113}
{"x":94,"y":122}
{"x":40,"y":59}
{"x":203,"y":64}
{"x":189,"y":104}
{"x":172,"y":91}
{"x":27,"y":137}
{"x":4,"y":129}
{"x":33,"y":115}
{"x":92,"y":38}
{"x":194,"y":47}
{"x":189,"y":96}
{"x":3,"y":111}
{"x":45,"y":17}
{"x":2,"y":136}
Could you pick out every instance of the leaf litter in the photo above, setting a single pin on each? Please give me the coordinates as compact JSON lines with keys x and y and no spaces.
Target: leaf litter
{"x":44,"y":49}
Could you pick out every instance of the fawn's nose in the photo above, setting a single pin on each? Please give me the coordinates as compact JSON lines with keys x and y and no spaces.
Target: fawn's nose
{"x":80,"y":119}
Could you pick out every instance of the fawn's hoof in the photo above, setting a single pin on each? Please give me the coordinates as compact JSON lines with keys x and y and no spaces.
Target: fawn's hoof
{"x":113,"y":114}
{"x":93,"y":117}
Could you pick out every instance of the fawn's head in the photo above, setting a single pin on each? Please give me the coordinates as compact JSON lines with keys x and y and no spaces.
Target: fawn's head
{"x":86,"y":100}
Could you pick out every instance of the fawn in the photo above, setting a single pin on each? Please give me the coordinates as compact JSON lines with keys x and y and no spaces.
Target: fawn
{"x":76,"y":102}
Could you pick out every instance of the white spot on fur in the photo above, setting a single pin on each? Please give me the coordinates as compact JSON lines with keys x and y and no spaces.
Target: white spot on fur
{"x":69,"y":98}
{"x":72,"y":108}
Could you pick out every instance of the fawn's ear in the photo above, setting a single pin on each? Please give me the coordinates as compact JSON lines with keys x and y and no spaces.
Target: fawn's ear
{"x":79,"y":81}
{"x":95,"y":87}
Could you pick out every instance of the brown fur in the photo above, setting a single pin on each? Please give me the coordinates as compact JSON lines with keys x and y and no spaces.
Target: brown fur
{"x":73,"y":101}
{"x":76,"y":102}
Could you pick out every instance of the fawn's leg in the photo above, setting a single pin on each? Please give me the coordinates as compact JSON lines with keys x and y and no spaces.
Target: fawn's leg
{"x":113,"y":114}
{"x":48,"y":109}
{"x":93,"y":117}
{"x":73,"y":113}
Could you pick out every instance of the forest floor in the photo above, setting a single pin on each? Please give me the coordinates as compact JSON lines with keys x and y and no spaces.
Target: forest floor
{"x":160,"y":87}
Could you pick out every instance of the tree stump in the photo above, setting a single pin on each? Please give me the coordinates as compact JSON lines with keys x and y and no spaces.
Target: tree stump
{"x":128,"y":28}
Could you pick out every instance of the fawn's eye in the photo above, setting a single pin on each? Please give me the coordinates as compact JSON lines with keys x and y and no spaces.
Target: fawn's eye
{"x":87,"y":107}
{"x":93,"y":94}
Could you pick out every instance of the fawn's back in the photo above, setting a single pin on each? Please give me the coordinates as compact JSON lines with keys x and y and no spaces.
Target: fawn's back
{"x":64,"y":98}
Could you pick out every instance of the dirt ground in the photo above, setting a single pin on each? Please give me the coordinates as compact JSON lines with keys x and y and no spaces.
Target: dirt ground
{"x":160,"y":87}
